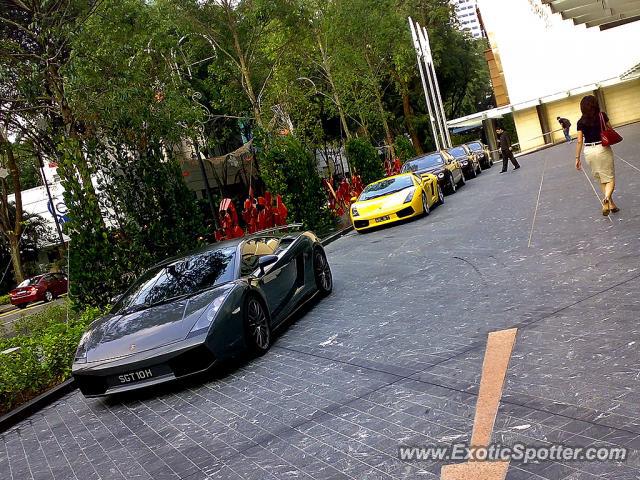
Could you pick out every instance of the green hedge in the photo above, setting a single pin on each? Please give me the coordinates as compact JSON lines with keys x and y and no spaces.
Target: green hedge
{"x":5,"y":299}
{"x":47,"y":342}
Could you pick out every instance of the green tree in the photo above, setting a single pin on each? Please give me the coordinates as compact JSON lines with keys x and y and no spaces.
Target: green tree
{"x":364,"y":159}
{"x":290,"y":169}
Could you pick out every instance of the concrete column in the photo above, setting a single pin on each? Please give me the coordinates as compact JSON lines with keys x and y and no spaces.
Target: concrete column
{"x":544,"y":123}
{"x":489,"y":126}
{"x":601,"y":101}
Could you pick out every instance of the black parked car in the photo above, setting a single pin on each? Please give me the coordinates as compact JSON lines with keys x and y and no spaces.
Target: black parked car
{"x":184,"y":315}
{"x":482,"y":152}
{"x":467,"y":159}
{"x":442,"y":165}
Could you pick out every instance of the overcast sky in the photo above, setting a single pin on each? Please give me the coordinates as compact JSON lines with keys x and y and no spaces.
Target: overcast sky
{"x":541,"y":60}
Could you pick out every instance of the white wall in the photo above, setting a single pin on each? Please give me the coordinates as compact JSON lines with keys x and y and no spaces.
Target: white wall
{"x":540,"y":60}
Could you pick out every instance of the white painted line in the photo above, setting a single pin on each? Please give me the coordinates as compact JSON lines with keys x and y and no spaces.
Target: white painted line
{"x":595,"y":191}
{"x":632,"y":166}
{"x":535,"y":213}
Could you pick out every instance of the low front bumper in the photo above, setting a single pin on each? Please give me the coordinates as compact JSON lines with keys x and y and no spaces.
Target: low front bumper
{"x":164,"y":364}
{"x":367,"y":222}
{"x":25,"y":299}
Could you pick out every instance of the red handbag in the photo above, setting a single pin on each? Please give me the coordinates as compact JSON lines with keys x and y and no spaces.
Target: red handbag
{"x":608,"y":135}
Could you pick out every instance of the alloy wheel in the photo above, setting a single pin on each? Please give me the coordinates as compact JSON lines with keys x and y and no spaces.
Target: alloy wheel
{"x":322,"y":272}
{"x":440,"y":196}
{"x":258,"y":325}
{"x":452,"y":184}
{"x":425,"y":204}
{"x":48,"y":296}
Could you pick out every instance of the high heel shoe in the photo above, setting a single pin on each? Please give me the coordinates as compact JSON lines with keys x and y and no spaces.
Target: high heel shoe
{"x":605,"y":207}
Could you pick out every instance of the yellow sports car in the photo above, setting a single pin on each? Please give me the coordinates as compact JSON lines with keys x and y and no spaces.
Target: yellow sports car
{"x":395,"y":198}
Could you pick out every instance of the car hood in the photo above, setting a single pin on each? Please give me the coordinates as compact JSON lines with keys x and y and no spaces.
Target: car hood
{"x":386,"y":202}
{"x":114,"y":336}
{"x":435,"y":170}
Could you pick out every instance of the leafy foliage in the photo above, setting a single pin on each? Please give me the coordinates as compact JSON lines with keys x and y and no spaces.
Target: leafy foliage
{"x":364,"y":159}
{"x":404,"y":148}
{"x":46,"y":343}
{"x":288,"y":168}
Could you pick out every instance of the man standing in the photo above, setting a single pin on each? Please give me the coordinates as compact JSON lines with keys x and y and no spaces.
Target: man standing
{"x":565,"y":124}
{"x":506,"y":150}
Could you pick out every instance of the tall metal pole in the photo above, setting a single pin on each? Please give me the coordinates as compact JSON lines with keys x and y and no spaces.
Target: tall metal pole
{"x":53,"y":207}
{"x":206,"y":182}
{"x":428,"y":61}
{"x":419,"y":54}
{"x":437,"y":89}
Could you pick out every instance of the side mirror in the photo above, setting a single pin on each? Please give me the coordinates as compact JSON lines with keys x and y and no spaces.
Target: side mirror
{"x":354,"y":199}
{"x":265,"y":261}
{"x":115,"y":299}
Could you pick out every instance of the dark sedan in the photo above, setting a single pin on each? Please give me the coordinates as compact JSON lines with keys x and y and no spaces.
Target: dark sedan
{"x":482,"y":152}
{"x":442,"y":165}
{"x":42,"y":288}
{"x":186,"y":314}
{"x":468,"y":160}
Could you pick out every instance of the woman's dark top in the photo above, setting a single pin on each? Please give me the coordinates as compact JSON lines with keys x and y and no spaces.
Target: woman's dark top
{"x":591,"y":132}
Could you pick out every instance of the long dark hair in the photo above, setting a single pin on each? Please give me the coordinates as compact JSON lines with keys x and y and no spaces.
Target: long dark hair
{"x":590,"y":110}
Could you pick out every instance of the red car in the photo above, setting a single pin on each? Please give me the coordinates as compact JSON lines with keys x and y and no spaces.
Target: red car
{"x":41,"y":288}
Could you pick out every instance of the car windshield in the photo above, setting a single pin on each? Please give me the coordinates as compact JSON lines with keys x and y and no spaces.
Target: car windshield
{"x":386,"y":187}
{"x":476,"y":147}
{"x":423,"y":163}
{"x":180,"y":278}
{"x":29,"y":281}
{"x":458,"y":152}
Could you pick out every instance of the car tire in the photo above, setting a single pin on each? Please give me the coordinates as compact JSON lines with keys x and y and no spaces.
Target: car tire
{"x":473,"y":173}
{"x":440,"y":196}
{"x":48,"y":296}
{"x":22,"y":306}
{"x":462,"y":180}
{"x":425,"y":205}
{"x":322,"y":272}
{"x":479,"y":170}
{"x":257,"y":326}
{"x":452,"y":185}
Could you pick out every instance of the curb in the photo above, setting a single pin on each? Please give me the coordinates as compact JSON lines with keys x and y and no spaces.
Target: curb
{"x":47,"y":398}
{"x":335,"y":236}
{"x":32,"y":406}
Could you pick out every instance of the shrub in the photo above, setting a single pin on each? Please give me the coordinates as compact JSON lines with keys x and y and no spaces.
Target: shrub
{"x":47,"y":342}
{"x":364,"y":158}
{"x":288,"y":168}
{"x":404,"y":148}
{"x":5,"y":299}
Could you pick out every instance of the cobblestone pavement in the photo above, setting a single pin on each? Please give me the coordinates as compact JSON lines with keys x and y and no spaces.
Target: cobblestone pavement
{"x":393,"y":357}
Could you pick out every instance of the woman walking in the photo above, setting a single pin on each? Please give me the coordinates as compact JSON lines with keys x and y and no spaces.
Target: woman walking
{"x":599,"y":158}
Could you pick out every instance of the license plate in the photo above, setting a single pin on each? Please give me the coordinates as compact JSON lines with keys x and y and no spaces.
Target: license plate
{"x":382,"y":219}
{"x":135,"y":376}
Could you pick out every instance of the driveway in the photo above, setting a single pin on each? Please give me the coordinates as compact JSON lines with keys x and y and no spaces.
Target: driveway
{"x":11,"y":314}
{"x":394,"y":356}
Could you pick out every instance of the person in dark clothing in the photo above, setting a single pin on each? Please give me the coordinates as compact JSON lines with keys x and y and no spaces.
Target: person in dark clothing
{"x":506,"y":150}
{"x":565,"y":124}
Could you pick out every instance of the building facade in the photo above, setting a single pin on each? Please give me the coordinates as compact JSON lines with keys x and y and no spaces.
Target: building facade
{"x":466,"y":11}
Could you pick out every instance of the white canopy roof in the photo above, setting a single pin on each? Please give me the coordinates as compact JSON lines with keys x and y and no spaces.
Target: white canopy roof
{"x":597,"y":13}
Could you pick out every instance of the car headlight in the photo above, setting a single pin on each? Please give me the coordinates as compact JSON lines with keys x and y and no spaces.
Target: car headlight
{"x":81,"y":352}
{"x":465,"y":163}
{"x":205,"y":321}
{"x":409,"y":196}
{"x":441,"y":175}
{"x":354,"y":211}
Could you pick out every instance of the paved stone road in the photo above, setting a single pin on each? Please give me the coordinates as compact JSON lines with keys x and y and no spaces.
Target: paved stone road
{"x":393,"y":357}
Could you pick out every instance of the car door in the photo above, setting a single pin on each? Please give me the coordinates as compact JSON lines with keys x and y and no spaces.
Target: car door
{"x":452,"y":166}
{"x":278,"y":280}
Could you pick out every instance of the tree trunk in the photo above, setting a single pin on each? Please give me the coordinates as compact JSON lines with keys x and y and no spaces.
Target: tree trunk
{"x":380,"y":105}
{"x":409,"y":121}
{"x":16,"y":260}
{"x":245,"y":72}
{"x":334,"y":93}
